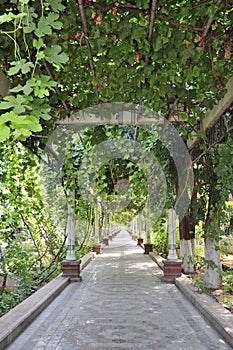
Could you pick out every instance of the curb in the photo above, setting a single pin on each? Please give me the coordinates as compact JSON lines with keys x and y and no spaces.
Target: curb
{"x":86,"y":259}
{"x":157,"y":259}
{"x":18,"y":319}
{"x":219,"y":317}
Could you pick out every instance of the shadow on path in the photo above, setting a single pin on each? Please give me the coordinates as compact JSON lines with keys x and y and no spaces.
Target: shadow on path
{"x":120,"y":304}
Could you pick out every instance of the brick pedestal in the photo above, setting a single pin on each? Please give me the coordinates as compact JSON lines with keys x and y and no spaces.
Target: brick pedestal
{"x":172,"y":269}
{"x":148,"y":248}
{"x":140,"y":241}
{"x":71,"y":269}
{"x":97,"y":248}
{"x":105,"y":241}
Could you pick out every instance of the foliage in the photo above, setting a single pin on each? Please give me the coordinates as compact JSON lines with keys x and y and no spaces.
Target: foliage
{"x":31,"y":240}
{"x":228,"y":287}
{"x":159,"y":237}
{"x":214,"y":190}
{"x":64,"y":55}
{"x":60,"y":56}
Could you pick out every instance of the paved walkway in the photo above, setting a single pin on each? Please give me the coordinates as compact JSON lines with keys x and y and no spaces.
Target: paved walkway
{"x":120,"y":304}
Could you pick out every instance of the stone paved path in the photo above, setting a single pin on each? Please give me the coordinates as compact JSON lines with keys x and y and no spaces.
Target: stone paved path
{"x":120,"y":304}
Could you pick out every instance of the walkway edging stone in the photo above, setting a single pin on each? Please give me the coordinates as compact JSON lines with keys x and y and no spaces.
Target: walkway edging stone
{"x":219,"y":317}
{"x":86,"y":259}
{"x":18,"y":318}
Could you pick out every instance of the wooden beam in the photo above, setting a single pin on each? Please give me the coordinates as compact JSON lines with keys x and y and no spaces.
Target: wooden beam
{"x":212,"y":116}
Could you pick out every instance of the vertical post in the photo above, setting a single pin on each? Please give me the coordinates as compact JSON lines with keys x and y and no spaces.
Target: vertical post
{"x":110,"y":227}
{"x":148,"y":226}
{"x":172,"y":234}
{"x":70,"y":234}
{"x":71,"y":266}
{"x":134,"y":234}
{"x":172,"y":267}
{"x":96,"y":223}
{"x":148,"y":246}
{"x":105,"y":240}
{"x":96,"y":246}
{"x":140,"y":239}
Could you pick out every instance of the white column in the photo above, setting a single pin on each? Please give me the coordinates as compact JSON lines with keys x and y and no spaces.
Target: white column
{"x":110,"y":225}
{"x":172,"y":234}
{"x":70,"y":229}
{"x":140,"y":226}
{"x":105,"y":226}
{"x":136,"y":226}
{"x":97,"y":223}
{"x":148,"y":226}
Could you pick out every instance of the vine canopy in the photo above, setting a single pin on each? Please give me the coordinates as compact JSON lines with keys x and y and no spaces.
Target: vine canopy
{"x":63,"y":56}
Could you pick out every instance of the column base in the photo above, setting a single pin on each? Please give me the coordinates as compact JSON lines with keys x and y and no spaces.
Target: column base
{"x":148,"y":248}
{"x":97,"y":248}
{"x":105,"y":241}
{"x":71,"y":269}
{"x":172,"y":270}
{"x":140,"y":241}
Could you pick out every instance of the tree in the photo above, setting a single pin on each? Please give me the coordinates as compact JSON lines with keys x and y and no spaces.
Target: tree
{"x":216,"y":168}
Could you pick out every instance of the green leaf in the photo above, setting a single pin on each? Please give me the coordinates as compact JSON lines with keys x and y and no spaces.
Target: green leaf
{"x":53,"y":54}
{"x":29,"y":122}
{"x":6,"y":117}
{"x":42,"y":85}
{"x":38,"y":43}
{"x":8,"y":17}
{"x":40,"y":55}
{"x":41,"y":91}
{"x":16,"y":103}
{"x":43,"y":28}
{"x":29,"y":28}
{"x":56,"y":5}
{"x":27,"y":88}
{"x":4,"y":132}
{"x":52,"y":20}
{"x":22,"y":134}
{"x":157,"y":44}
{"x":21,"y":65}
{"x":41,"y":110}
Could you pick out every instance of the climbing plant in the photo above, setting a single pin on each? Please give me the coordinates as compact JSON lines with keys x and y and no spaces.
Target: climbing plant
{"x":64,"y":56}
{"x":32,"y":237}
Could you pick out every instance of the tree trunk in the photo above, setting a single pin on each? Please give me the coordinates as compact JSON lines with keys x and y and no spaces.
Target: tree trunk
{"x":187,"y":244}
{"x":212,"y":275}
{"x":212,"y":271}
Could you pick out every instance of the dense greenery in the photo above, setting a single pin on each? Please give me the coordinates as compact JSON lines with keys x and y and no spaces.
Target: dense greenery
{"x":63,"y":56}
{"x":67,"y":55}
